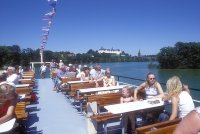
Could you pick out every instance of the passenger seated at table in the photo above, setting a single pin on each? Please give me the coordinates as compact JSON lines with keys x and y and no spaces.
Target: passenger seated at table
{"x":108,"y":80}
{"x":62,"y":72}
{"x":12,"y":75}
{"x":129,"y":117}
{"x":20,"y":71}
{"x":181,"y":100}
{"x":97,"y":75}
{"x":84,"y":75}
{"x":151,"y":89}
{"x":72,"y":71}
{"x":8,"y":100}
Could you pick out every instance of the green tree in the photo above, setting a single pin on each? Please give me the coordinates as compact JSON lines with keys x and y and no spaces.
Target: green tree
{"x":167,"y":58}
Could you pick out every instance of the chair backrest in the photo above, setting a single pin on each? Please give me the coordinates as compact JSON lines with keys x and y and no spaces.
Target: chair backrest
{"x":71,"y":74}
{"x":53,"y":74}
{"x":24,"y":90}
{"x":164,"y":130}
{"x":143,"y":129}
{"x":66,"y":79}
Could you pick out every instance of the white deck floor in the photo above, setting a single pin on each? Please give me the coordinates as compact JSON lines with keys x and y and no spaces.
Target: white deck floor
{"x":54,"y":114}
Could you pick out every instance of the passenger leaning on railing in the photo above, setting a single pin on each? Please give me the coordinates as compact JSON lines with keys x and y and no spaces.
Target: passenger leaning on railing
{"x":180,"y":98}
{"x":8,"y":100}
{"x":151,"y":89}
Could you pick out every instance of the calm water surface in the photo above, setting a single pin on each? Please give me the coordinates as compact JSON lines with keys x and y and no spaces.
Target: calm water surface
{"x":139,"y":70}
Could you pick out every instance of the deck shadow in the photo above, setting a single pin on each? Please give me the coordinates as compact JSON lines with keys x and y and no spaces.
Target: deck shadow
{"x":33,"y":130}
{"x":32,"y":118}
{"x":33,"y":109}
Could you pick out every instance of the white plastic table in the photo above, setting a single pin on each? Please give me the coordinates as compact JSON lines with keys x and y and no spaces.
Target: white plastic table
{"x":24,"y":79}
{"x":90,"y":90}
{"x":22,"y":85}
{"x":76,"y":82}
{"x":7,"y":126}
{"x":132,"y":106}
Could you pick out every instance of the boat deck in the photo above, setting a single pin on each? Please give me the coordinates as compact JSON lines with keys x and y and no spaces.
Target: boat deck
{"x":53,"y":113}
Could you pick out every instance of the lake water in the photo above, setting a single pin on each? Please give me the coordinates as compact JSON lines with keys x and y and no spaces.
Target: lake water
{"x":139,"y":70}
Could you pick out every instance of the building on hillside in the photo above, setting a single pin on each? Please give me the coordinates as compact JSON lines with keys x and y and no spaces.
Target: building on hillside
{"x":109,"y":51}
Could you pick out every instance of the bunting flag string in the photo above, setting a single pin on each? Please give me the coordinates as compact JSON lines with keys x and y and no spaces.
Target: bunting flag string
{"x":48,"y":17}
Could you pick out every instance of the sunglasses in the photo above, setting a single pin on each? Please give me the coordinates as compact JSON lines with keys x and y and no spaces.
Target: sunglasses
{"x":152,"y":78}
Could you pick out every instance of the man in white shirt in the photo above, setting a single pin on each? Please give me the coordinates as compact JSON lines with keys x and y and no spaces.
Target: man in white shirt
{"x":12,"y":76}
{"x":43,"y":69}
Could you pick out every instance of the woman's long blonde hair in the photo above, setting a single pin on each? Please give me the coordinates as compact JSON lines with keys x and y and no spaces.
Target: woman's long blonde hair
{"x":174,"y":86}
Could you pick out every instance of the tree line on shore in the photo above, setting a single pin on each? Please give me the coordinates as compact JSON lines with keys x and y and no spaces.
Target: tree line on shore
{"x":182,"y":55}
{"x":14,"y":55}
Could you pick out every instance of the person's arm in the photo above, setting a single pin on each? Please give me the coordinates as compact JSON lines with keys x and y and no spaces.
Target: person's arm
{"x":105,"y":82}
{"x":59,"y":76}
{"x":121,"y":100}
{"x":10,"y":113}
{"x":174,"y":108}
{"x":82,"y":76}
{"x":160,"y":91}
{"x":189,"y":124}
{"x":132,"y":99}
{"x":140,"y":87}
{"x":113,"y":81}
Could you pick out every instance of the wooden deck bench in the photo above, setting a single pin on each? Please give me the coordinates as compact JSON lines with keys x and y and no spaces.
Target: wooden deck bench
{"x":66,"y":79}
{"x":24,"y":90}
{"x":28,"y":73}
{"x":53,"y":74}
{"x":74,"y":87}
{"x":20,"y":111}
{"x":164,"y":130}
{"x":102,"y":100}
{"x":30,"y":82}
{"x":107,"y":99}
{"x":142,"y":130}
{"x":105,"y":116}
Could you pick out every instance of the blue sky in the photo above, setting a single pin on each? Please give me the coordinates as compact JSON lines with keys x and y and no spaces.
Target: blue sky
{"x":80,"y":25}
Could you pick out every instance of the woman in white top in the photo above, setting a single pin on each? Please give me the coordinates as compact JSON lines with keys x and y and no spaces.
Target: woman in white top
{"x":181,"y":100}
{"x":151,"y":87}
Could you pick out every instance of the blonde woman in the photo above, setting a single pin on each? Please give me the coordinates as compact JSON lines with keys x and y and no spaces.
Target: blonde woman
{"x":152,"y":89}
{"x":181,"y":100}
{"x":129,"y":117}
{"x":8,"y":100}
